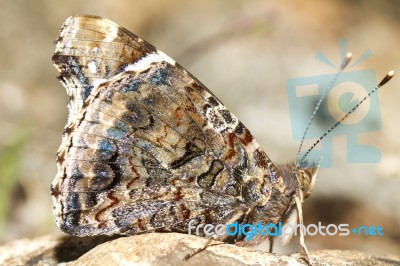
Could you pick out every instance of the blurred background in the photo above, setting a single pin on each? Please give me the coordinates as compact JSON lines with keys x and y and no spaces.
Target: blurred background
{"x":243,"y":51}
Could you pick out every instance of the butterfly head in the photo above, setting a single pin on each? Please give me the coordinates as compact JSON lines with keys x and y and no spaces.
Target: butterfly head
{"x":302,"y":178}
{"x":306,"y":178}
{"x":306,"y":175}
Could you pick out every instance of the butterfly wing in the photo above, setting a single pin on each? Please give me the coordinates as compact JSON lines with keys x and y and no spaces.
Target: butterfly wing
{"x":146,"y":146}
{"x":91,"y":49}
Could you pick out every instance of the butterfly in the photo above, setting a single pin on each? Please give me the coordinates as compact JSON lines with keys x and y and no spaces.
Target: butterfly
{"x":147,"y":147}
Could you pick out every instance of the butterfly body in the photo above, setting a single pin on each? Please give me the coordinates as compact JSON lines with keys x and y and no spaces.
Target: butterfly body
{"x":147,"y":147}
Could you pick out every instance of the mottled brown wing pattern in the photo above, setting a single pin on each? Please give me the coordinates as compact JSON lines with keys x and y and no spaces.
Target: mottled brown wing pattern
{"x":147,"y":146}
{"x":91,"y":49}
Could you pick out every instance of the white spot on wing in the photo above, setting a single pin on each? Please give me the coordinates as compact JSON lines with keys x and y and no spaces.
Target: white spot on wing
{"x":112,"y":33}
{"x":97,"y":82}
{"x":217,"y":122}
{"x":166,"y":57}
{"x":144,"y":63}
{"x":92,"y":67}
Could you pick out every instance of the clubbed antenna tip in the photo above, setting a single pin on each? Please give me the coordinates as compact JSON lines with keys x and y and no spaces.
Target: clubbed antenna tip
{"x":346,"y":60}
{"x":386,"y":79}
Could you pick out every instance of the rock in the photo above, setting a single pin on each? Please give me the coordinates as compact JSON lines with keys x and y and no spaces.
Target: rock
{"x":47,"y":250}
{"x":164,"y":249}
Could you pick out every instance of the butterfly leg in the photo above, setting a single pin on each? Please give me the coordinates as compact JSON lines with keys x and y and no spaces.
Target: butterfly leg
{"x":225,"y":238}
{"x":206,"y":245}
{"x":300,"y":217}
{"x":271,"y":243}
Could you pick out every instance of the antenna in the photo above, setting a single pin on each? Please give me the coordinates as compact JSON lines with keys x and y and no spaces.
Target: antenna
{"x":345,"y":62}
{"x":386,"y":79}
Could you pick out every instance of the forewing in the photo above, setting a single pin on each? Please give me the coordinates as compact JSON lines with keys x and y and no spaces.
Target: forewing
{"x":91,"y":49}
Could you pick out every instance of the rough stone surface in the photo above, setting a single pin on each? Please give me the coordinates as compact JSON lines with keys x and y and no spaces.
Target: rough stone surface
{"x":164,"y":249}
{"x":47,"y":250}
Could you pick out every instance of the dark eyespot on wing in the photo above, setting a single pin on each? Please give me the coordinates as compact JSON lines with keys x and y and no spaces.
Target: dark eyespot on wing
{"x":207,"y":179}
{"x":227,"y":116}
{"x":213,"y":101}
